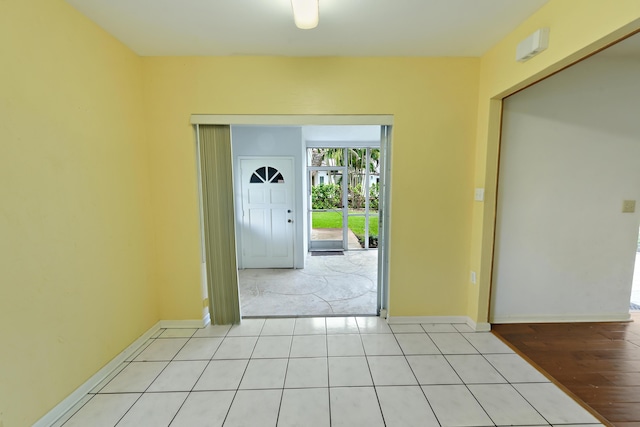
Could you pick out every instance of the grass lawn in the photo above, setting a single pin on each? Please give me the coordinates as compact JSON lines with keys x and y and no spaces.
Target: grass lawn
{"x":334,"y":220}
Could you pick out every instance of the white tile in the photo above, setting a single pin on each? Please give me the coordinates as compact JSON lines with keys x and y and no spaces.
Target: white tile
{"x":463,"y":327}
{"x":254,"y":408}
{"x":405,"y":407}
{"x":452,"y":343}
{"x":178,"y":376}
{"x":474,"y":369}
{"x":161,"y":349}
{"x":136,"y":377}
{"x":380,"y":345}
{"x":486,"y":342}
{"x":354,"y":406}
{"x":222,"y":375}
{"x":349,"y":371}
{"x":342,"y":325}
{"x":236,"y":348}
{"x":416,"y":344}
{"x":391,"y":370}
{"x":307,"y":372}
{"x":199,"y":349}
{"x":278,"y":327}
{"x":178,"y":333}
{"x":246,"y":328}
{"x":504,"y":405}
{"x":272,"y":347}
{"x":264,"y":373}
{"x":553,"y":404}
{"x":306,"y":407}
{"x":454,"y":405}
{"x":153,"y":409}
{"x":373,"y":325}
{"x":406,"y":329}
{"x":438,"y":327}
{"x":212,"y":331}
{"x":433,"y":370}
{"x":204,"y":409}
{"x":344,"y":345}
{"x":104,"y":410}
{"x":310,"y":326}
{"x":309,"y":346}
{"x":515,"y":369}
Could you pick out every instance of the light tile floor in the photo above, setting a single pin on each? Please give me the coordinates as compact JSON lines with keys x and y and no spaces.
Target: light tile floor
{"x":351,"y":371}
{"x":328,"y":285}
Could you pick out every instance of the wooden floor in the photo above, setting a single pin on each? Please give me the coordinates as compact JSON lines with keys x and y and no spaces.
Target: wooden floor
{"x":598,"y":362}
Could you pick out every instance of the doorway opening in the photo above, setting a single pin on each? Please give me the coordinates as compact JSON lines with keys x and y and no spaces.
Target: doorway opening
{"x":335,"y":218}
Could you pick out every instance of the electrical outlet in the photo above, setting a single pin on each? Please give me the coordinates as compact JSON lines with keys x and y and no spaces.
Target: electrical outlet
{"x":628,"y":206}
{"x":473,"y":277}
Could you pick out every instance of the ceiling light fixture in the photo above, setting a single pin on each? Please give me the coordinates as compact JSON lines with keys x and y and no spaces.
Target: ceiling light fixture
{"x":305,"y":13}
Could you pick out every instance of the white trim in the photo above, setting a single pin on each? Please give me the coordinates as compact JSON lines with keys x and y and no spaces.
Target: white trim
{"x":341,"y":144}
{"x":78,"y":394}
{"x":70,"y":401}
{"x":182,"y":324}
{"x":395,"y":320}
{"x":542,"y":318}
{"x":207,"y":319}
{"x":291,"y":119}
{"x":478,"y":327}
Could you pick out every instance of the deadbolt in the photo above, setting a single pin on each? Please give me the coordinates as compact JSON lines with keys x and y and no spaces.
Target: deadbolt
{"x":290,"y":220}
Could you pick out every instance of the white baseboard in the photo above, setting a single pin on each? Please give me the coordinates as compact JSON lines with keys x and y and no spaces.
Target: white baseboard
{"x":184,"y":324}
{"x":543,"y":318}
{"x":61,"y":408}
{"x":70,"y":401}
{"x":395,"y":320}
{"x":478,"y":327}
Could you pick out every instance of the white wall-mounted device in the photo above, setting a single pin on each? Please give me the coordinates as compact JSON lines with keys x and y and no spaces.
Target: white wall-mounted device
{"x":533,"y":45}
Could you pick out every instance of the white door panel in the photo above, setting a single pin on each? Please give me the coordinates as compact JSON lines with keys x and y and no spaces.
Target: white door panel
{"x":267,"y":205}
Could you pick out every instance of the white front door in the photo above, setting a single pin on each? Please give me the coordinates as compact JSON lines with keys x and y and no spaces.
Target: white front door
{"x":267,"y":212}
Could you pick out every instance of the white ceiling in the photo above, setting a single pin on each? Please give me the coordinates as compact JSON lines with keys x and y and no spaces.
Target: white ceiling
{"x":347,"y":27}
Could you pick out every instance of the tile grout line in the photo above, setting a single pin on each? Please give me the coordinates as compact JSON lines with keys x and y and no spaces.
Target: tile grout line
{"x":414,"y":373}
{"x":373,"y":383}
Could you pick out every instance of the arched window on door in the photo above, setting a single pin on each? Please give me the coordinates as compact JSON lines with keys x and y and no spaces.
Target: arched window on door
{"x":266,"y":175}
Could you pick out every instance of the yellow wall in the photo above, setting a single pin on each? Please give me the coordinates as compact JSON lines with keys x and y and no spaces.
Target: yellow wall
{"x":75,"y":236}
{"x":434,"y":103}
{"x":577,"y":29}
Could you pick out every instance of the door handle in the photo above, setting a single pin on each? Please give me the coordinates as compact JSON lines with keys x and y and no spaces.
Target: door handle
{"x":288,"y":210}
{"x":290,"y":220}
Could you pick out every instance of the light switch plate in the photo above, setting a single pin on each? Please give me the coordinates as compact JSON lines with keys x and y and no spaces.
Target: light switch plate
{"x":628,"y":206}
{"x":479,"y":195}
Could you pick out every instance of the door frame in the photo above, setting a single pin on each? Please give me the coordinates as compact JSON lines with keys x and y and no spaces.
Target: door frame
{"x":383,"y":120}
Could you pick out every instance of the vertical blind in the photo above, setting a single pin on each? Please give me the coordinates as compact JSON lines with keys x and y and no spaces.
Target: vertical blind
{"x":218,"y":221}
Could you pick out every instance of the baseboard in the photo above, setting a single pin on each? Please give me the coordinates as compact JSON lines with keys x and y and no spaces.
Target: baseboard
{"x":184,"y":324}
{"x":61,"y":408}
{"x":543,"y":318}
{"x":70,"y":401}
{"x":478,"y":327}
